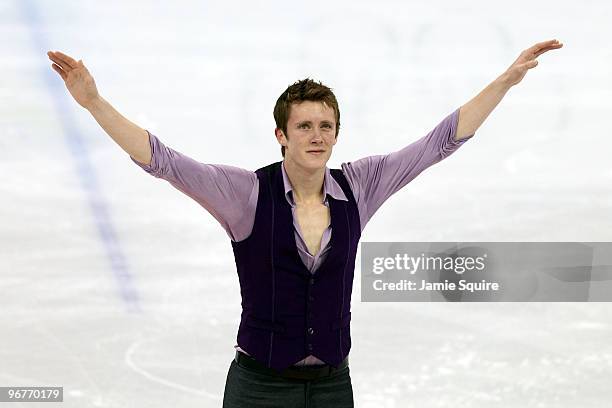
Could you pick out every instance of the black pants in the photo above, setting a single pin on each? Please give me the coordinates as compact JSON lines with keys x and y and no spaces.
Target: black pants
{"x":245,"y":388}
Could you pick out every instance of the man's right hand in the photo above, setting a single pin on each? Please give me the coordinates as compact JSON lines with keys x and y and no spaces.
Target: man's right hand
{"x":81,"y":85}
{"x":77,"y":78}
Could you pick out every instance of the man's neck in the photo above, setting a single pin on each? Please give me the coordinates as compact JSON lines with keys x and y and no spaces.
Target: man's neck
{"x":307,"y":185}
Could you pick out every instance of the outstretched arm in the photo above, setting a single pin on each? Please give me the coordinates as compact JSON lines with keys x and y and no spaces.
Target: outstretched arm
{"x":474,"y":113}
{"x":373,"y":179}
{"x":228,"y":193}
{"x":80,"y":83}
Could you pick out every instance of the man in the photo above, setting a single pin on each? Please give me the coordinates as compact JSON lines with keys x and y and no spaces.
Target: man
{"x":294,"y":227}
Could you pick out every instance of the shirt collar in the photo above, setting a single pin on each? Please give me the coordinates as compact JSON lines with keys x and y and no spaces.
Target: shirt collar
{"x":330,"y":186}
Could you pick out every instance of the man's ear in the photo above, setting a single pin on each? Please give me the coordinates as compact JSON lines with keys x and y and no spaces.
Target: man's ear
{"x":280,"y":136}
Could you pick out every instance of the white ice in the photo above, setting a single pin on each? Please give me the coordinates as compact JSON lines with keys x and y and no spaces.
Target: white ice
{"x":123,"y":290}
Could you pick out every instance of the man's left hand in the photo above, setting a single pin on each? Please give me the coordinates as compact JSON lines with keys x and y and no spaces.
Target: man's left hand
{"x":527,"y":60}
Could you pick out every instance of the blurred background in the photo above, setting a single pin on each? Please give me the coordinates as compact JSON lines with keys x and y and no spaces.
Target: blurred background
{"x":123,"y":290}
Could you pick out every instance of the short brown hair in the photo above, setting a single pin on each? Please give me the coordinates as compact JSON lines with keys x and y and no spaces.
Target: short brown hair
{"x":303,"y":90}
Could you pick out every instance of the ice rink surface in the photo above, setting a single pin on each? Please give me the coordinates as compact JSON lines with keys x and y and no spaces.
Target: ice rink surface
{"x":123,"y":290}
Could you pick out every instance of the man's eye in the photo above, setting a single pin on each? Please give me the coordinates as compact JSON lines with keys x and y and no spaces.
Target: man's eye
{"x":305,"y":125}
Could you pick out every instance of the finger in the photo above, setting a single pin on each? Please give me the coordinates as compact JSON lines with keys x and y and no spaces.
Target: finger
{"x":59,"y":62}
{"x":546,"y":44}
{"x":68,"y":60}
{"x":530,"y":53}
{"x":543,"y":50}
{"x":527,"y":65}
{"x":59,"y":71}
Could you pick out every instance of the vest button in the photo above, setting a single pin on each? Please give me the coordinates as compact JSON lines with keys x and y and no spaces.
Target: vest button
{"x":310,"y":330}
{"x":309,"y":347}
{"x":312,"y":281}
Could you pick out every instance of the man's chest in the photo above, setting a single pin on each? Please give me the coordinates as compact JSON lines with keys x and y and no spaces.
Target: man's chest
{"x":313,"y":220}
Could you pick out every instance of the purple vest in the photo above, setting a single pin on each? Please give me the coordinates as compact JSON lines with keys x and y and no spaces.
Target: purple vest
{"x":287,"y":312}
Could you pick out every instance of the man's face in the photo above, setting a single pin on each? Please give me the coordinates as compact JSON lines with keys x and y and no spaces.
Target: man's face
{"x":311,"y":127}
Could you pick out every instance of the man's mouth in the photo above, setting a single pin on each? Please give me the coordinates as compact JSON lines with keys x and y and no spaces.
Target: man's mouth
{"x":317,"y":152}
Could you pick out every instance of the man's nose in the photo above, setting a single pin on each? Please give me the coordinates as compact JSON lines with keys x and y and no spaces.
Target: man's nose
{"x":317,"y":137}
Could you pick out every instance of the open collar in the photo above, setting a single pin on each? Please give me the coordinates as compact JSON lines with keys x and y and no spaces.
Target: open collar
{"x":330,"y":186}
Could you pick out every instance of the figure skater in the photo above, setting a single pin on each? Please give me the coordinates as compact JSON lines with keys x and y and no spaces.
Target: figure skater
{"x":294,"y":227}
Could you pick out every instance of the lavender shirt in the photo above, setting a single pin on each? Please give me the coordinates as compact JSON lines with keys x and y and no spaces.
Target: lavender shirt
{"x":230,"y":193}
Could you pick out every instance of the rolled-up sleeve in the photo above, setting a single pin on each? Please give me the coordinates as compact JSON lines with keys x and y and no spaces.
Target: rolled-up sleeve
{"x":446,"y":134}
{"x":374,"y":179}
{"x":228,"y":193}
{"x":159,"y":155}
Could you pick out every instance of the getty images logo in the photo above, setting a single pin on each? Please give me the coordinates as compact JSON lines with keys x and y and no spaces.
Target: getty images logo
{"x":411,"y":264}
